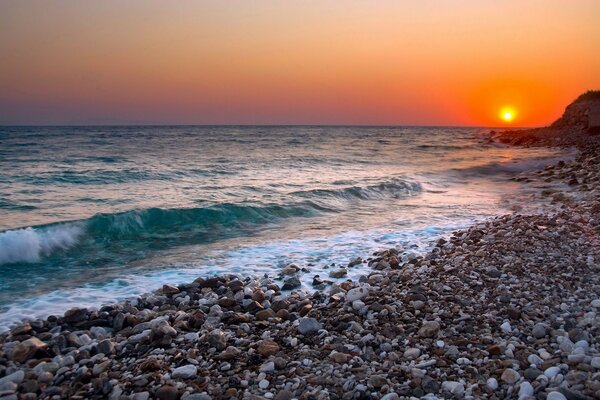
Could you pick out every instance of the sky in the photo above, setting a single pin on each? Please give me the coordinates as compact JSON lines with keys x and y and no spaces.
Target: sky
{"x":425,"y":62}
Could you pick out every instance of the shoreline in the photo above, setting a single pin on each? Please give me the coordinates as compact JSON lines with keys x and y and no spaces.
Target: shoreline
{"x":415,"y":329}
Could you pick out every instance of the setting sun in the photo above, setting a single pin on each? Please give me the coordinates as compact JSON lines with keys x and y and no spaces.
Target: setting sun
{"x":508,"y":114}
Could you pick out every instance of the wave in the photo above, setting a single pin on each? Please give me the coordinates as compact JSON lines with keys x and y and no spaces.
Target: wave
{"x":130,"y":234}
{"x":395,"y":188}
{"x":506,"y":168}
{"x":11,"y":205}
{"x":139,"y":230}
{"x":30,"y":245}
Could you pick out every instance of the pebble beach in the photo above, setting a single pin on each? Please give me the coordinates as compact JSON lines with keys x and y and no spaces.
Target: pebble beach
{"x":508,"y":308}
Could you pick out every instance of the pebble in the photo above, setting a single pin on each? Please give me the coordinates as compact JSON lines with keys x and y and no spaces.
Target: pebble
{"x":510,"y":376}
{"x":308,"y":325}
{"x":453,"y":387}
{"x":356,"y":294}
{"x":412,"y":353}
{"x":263,"y":384}
{"x":552,"y":372}
{"x":492,"y":383}
{"x":539,"y":330}
{"x":185,"y":372}
{"x":555,"y":396}
{"x":525,"y":390}
{"x":429,"y":329}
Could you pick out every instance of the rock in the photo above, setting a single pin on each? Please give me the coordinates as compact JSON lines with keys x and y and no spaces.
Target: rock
{"x":595,"y":303}
{"x":338,"y":273}
{"x":263,"y":384}
{"x":230,"y":353}
{"x":264,"y":315}
{"x":429,"y":329}
{"x":510,"y":376}
{"x":21,"y":329}
{"x":535,"y":359}
{"x":185,"y":372}
{"x":356,"y":294}
{"x":170,"y":289}
{"x":167,"y":392}
{"x":217,"y":339}
{"x":15,"y":378}
{"x":572,"y":394}
{"x":595,"y":362}
{"x":144,"y":336}
{"x":284,"y":395}
{"x":538,"y":331}
{"x":555,"y":396}
{"x":267,"y":348}
{"x":100,"y":368}
{"x":525,"y":390}
{"x":531,"y":374}
{"x":267,"y":367}
{"x":492,"y":383}
{"x":552,"y":372}
{"x":226,"y":302}
{"x":27,"y":349}
{"x":418,"y":373}
{"x":412,"y":353}
{"x":291,"y":283}
{"x":290,"y":269}
{"x":75,"y":315}
{"x":377,"y":381}
{"x":494,"y":273}
{"x":106,"y":347}
{"x":308,"y":325}
{"x":118,"y":321}
{"x":506,"y":327}
{"x":430,"y":385}
{"x":140,"y":396}
{"x":340,"y":358}
{"x":453,"y":387}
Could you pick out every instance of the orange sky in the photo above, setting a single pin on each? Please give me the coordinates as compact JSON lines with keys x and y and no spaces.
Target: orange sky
{"x":427,"y":62}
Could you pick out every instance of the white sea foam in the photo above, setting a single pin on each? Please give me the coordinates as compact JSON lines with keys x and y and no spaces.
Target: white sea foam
{"x":29,"y":245}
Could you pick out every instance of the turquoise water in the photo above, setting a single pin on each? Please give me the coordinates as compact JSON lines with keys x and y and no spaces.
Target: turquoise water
{"x":90,"y":215}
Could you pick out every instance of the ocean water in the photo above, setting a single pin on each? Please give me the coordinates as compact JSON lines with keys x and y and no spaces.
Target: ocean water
{"x":91,"y":215}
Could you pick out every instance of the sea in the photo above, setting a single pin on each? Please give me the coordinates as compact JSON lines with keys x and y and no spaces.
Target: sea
{"x":94,"y":215}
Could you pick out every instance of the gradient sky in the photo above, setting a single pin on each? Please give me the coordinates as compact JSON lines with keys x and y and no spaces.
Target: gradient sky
{"x":420,"y":62}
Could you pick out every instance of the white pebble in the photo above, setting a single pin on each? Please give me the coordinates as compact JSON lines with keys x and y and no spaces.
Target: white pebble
{"x":555,"y":396}
{"x":263,"y":384}
{"x":492,"y":383}
{"x":506,"y":327}
{"x":525,"y":390}
{"x":534,"y":359}
{"x":552,"y":372}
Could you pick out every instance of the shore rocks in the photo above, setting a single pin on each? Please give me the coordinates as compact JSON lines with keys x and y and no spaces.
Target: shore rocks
{"x":27,"y":349}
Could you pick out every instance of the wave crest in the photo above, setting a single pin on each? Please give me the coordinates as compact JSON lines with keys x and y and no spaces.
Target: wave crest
{"x":30,"y":245}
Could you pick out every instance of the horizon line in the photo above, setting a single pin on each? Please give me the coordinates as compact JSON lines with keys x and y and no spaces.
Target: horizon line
{"x":124,"y":125}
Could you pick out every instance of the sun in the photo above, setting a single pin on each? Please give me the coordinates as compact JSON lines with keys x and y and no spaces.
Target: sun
{"x":508,"y":114}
